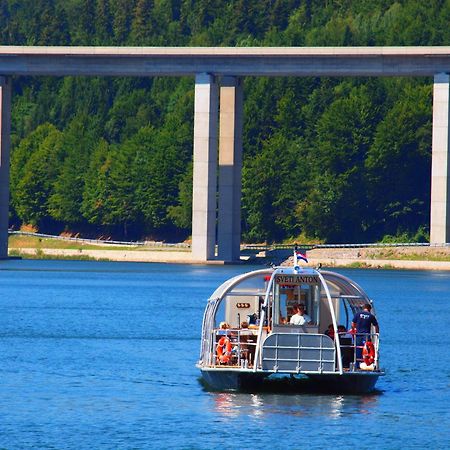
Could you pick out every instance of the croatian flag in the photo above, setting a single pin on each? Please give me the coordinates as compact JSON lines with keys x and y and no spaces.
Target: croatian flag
{"x":301,"y":255}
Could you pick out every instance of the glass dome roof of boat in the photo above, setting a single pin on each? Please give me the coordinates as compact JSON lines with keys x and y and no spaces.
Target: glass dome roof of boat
{"x":247,"y":282}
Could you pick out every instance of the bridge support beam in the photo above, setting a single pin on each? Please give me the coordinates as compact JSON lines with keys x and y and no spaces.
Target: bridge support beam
{"x":230,"y":168}
{"x":205,"y":168}
{"x":440,"y":171}
{"x":5,"y":143}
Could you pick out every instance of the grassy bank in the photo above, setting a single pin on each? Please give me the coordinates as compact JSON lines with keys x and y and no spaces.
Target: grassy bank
{"x":17,"y":242}
{"x":32,"y":247}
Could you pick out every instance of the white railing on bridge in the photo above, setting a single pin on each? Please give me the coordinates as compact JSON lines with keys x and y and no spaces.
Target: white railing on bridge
{"x":259,"y":247}
{"x":263,"y":247}
{"x":101,"y":241}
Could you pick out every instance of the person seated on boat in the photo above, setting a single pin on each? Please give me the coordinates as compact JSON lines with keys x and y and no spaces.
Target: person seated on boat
{"x":248,"y":340}
{"x":244,"y":334}
{"x":300,"y":317}
{"x":330,"y":331}
{"x":343,"y":333}
{"x":223,"y":329}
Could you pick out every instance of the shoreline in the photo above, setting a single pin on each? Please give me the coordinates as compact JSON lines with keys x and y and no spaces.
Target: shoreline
{"x":342,"y":258}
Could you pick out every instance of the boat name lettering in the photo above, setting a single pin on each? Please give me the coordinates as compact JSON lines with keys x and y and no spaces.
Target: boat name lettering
{"x":243,"y":305}
{"x":297,"y":279}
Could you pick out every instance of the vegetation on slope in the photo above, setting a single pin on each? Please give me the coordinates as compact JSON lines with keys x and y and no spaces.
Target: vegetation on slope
{"x":340,"y":160}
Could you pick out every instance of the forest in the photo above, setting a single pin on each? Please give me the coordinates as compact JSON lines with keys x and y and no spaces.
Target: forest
{"x":325,"y":159}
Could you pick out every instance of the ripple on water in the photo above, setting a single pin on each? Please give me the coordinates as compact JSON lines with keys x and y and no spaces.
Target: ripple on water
{"x":102,"y":355}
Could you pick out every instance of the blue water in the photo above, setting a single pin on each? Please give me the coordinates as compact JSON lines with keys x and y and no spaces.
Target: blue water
{"x":102,"y":355}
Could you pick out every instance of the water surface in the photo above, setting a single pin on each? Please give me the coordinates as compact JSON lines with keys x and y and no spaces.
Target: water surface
{"x":102,"y":355}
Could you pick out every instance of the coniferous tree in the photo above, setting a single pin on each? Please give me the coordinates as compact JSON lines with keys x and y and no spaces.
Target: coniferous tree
{"x":35,"y":186}
{"x":78,"y":143}
{"x":103,"y":23}
{"x":143,"y":25}
{"x":122,"y":11}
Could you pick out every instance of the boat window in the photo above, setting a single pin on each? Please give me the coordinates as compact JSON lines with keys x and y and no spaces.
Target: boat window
{"x":288,"y":296}
{"x":254,"y":285}
{"x":243,"y":302}
{"x":220,"y":314}
{"x":344,"y":315}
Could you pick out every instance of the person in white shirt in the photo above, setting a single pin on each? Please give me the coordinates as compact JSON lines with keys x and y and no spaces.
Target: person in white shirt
{"x":300,"y":318}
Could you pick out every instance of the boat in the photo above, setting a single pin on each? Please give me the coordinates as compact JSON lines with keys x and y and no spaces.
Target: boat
{"x":250,"y":338}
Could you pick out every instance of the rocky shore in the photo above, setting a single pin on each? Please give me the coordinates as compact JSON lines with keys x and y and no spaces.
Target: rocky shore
{"x":418,"y":258}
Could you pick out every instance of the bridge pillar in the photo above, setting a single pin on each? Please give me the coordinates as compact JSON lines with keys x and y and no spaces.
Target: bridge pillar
{"x":5,"y":140}
{"x":205,"y":168}
{"x":230,"y":168}
{"x":440,"y":167}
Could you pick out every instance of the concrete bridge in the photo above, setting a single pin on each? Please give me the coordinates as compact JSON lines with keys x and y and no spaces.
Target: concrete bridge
{"x":218,"y":74}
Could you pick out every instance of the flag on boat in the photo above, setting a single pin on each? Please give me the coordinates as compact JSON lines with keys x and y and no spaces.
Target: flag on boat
{"x":301,"y":255}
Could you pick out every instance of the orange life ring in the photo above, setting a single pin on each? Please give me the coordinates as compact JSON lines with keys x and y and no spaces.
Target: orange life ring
{"x":368,"y":353}
{"x":223,"y":350}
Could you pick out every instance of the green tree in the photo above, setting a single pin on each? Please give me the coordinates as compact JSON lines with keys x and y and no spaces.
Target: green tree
{"x":120,"y":207}
{"x":103,"y":23}
{"x":344,"y":134}
{"x":129,"y":113}
{"x":79,"y":140}
{"x":24,"y":151}
{"x":272,"y":183}
{"x":96,"y":190}
{"x":36,"y":180}
{"x":181,"y":213}
{"x":398,"y":164}
{"x":122,"y":11}
{"x":143,"y":25}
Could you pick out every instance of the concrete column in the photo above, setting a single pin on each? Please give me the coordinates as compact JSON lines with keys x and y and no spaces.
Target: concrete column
{"x":440,"y":167}
{"x":5,"y":140}
{"x":204,"y":200}
{"x":230,"y":168}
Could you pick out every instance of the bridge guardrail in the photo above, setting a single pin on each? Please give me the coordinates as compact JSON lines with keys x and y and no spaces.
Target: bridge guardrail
{"x":101,"y":241}
{"x":260,"y":247}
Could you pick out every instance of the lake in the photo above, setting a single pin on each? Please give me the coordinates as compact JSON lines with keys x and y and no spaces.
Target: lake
{"x":102,"y":355}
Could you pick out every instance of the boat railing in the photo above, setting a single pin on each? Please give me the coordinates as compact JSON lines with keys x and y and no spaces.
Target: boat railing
{"x":352,"y":345}
{"x":298,"y":353}
{"x":239,"y":348}
{"x":239,"y":351}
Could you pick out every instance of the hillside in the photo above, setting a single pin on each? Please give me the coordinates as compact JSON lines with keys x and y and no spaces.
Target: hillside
{"x":338,"y":160}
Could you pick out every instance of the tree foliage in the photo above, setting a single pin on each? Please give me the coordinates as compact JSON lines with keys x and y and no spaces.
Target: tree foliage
{"x":330,"y":159}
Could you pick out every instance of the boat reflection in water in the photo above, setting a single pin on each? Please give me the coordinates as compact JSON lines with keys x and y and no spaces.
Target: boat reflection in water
{"x":232,"y":405}
{"x":285,"y":328}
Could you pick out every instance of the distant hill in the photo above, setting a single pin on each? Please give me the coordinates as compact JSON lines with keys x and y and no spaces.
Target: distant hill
{"x":338,"y":160}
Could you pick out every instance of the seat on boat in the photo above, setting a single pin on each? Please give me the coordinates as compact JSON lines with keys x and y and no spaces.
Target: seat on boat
{"x":346,"y":351}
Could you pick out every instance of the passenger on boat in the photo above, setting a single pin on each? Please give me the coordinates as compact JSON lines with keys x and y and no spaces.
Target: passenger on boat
{"x":345,"y":339}
{"x":343,"y":333}
{"x":361,"y":325}
{"x":363,"y":320}
{"x":223,"y":329}
{"x":300,"y":318}
{"x":330,"y":331}
{"x":252,"y":319}
{"x":246,"y":341}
